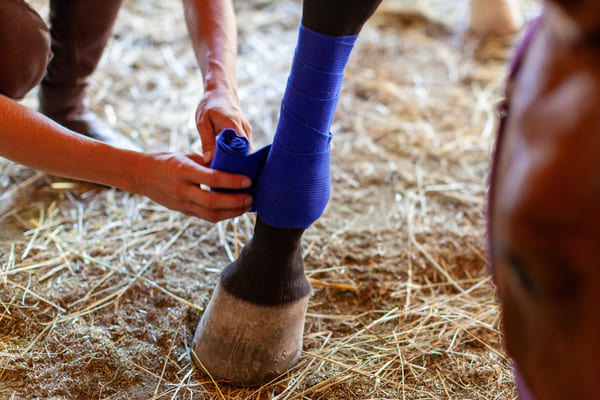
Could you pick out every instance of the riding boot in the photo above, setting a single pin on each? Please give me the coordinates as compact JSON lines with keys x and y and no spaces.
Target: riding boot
{"x":80,"y":30}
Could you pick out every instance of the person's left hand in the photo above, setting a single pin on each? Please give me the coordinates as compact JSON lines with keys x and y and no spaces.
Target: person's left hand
{"x":174,"y":180}
{"x":219,"y":109}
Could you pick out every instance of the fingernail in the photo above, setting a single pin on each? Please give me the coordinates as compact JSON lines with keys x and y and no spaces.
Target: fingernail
{"x":246,"y":182}
{"x":248,"y":200}
{"x":207,"y":156}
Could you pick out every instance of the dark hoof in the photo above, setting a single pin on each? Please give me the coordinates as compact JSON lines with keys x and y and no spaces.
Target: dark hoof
{"x":245,"y":343}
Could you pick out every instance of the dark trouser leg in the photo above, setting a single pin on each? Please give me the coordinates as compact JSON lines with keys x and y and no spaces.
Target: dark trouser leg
{"x":252,"y":328}
{"x":24,"y":48}
{"x":80,"y":30}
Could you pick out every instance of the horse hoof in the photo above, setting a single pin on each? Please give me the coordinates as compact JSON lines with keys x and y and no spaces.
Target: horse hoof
{"x":245,"y":343}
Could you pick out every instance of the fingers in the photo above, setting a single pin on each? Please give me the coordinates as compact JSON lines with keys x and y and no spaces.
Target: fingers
{"x":199,"y":174}
{"x":215,"y":200}
{"x":197,"y":158}
{"x":207,"y":136}
{"x":212,"y":215}
{"x":213,"y":206}
{"x":247,"y":130}
{"x":211,"y":122}
{"x":225,"y":180}
{"x":174,"y":180}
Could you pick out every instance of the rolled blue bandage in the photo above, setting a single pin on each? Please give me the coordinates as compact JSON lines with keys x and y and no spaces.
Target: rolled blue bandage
{"x":231,"y":155}
{"x":293,"y":188}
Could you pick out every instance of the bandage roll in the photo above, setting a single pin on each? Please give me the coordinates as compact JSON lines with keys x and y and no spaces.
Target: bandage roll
{"x":232,"y":155}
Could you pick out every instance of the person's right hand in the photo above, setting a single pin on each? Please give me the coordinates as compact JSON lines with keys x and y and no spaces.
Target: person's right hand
{"x":174,"y":179}
{"x":219,"y":109}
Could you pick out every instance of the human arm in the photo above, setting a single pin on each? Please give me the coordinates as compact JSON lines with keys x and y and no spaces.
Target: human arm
{"x":212,"y":30}
{"x":171,"y":179}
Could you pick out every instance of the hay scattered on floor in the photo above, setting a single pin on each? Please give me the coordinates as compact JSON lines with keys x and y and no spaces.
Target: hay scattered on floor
{"x":100,"y":291}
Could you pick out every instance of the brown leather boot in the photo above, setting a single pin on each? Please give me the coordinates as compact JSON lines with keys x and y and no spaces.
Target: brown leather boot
{"x":79,"y":30}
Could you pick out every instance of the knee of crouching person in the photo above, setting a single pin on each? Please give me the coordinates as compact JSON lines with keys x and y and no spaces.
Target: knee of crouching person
{"x":24,"y":49}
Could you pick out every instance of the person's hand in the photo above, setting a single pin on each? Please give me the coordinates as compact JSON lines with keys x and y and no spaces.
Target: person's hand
{"x":219,"y":109}
{"x":174,"y":179}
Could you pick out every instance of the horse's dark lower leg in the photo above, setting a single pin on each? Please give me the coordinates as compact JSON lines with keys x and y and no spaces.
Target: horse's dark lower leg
{"x":337,"y":17}
{"x":269,"y":270}
{"x":252,"y":329}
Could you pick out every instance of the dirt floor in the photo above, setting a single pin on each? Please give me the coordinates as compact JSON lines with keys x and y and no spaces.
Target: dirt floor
{"x":101,"y":291}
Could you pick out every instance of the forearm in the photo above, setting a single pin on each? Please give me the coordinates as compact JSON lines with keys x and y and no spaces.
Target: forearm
{"x":31,"y":139}
{"x":212,"y":29}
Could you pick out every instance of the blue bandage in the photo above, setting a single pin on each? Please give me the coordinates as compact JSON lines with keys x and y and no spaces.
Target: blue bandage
{"x":293,"y":188}
{"x":231,"y":155}
{"x":291,"y":177}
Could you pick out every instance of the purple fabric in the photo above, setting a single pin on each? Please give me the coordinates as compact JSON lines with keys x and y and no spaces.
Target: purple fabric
{"x":522,"y":389}
{"x":521,"y":49}
{"x":232,"y":155}
{"x":519,"y":55}
{"x":503,"y":111}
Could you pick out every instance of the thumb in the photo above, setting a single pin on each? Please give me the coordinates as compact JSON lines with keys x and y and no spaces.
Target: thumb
{"x":207,"y":136}
{"x":247,"y":129}
{"x":197,"y":158}
{"x":208,"y":150}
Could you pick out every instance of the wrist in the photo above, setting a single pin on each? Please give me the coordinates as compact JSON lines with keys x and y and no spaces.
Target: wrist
{"x":220,"y":88}
{"x":221,"y":92}
{"x":139,"y":168}
{"x":217,"y":79}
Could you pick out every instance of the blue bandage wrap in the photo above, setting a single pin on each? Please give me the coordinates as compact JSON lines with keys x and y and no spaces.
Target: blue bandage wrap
{"x":293,"y":188}
{"x":232,"y":155}
{"x":291,"y":177}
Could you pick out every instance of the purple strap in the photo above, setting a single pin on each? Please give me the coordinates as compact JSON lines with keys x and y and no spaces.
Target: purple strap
{"x":519,"y":55}
{"x":522,"y":389}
